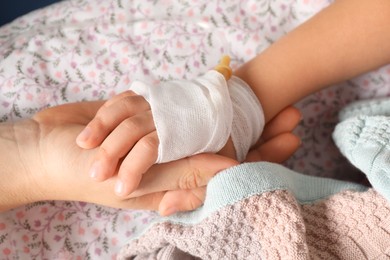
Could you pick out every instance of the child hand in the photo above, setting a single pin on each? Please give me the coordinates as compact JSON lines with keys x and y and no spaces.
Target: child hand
{"x":125,"y":130}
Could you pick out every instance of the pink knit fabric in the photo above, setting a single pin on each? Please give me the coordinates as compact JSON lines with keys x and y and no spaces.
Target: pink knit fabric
{"x":348,"y":225}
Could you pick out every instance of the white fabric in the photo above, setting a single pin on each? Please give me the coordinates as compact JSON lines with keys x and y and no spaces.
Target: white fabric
{"x":248,"y":117}
{"x":197,"y":116}
{"x":191,"y":117}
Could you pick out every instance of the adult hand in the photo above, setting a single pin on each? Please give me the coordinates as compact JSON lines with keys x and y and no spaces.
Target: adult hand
{"x":58,"y":168}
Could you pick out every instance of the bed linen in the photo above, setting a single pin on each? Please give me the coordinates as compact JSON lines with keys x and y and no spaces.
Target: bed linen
{"x":93,"y":49}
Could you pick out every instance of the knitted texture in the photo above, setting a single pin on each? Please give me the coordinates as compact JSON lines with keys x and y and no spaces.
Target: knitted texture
{"x":265,"y":211}
{"x":364,"y":138}
{"x":272,"y":225}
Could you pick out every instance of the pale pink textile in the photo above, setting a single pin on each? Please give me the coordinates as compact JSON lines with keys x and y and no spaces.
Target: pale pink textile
{"x":92,"y":49}
{"x":349,"y":225}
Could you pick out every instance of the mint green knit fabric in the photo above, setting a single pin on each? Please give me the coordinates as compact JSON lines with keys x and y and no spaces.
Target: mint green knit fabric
{"x":363,"y":136}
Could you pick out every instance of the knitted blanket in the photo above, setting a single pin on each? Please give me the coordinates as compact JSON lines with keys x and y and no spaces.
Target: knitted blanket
{"x":266,"y":211}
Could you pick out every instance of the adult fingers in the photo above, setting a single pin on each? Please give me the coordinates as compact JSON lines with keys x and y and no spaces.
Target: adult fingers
{"x":277,"y":149}
{"x":110,"y":116}
{"x":284,"y":122}
{"x":73,"y":113}
{"x":184,"y":174}
{"x":181,"y":200}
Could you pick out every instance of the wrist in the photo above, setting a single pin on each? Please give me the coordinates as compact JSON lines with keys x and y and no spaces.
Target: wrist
{"x":18,"y":163}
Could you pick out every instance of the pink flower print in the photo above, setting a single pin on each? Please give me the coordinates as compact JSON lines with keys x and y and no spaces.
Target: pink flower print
{"x":19,"y":214}
{"x":43,"y":98}
{"x":96,"y":232}
{"x":237,"y":19}
{"x":114,"y":241}
{"x":178,"y":70}
{"x":37,"y":223}
{"x":61,"y":217}
{"x":73,"y":64}
{"x":31,"y":70}
{"x":44,"y":210}
{"x":5,"y":104}
{"x":92,"y":74}
{"x":122,"y":17}
{"x":58,"y":74}
{"x":57,"y":238}
{"x":76,"y":89}
{"x":91,"y":37}
{"x":48,"y":53}
{"x":179,"y":45}
{"x":121,"y":30}
{"x":111,"y":94}
{"x":26,"y":250}
{"x":98,"y":251}
{"x":82,"y":204}
{"x":125,"y":61}
{"x":253,"y":7}
{"x":81,"y":231}
{"x":25,"y":238}
{"x":29,"y":96}
{"x":126,"y":218}
{"x":38,"y":43}
{"x":219,"y":10}
{"x":42,"y":65}
{"x":127,"y":80}
{"x":2,"y":226}
{"x":196,"y":64}
{"x":7,"y":251}
{"x":190,"y":13}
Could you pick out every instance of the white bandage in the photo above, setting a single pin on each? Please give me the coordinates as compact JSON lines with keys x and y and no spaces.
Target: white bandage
{"x":198,"y":116}
{"x":248,"y":117}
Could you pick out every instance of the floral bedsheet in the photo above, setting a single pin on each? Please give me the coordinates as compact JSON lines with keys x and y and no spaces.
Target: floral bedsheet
{"x":92,"y":49}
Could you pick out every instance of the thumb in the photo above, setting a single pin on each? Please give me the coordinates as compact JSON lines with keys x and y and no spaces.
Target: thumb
{"x":181,"y":200}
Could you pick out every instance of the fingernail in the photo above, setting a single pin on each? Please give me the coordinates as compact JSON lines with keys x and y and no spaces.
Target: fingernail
{"x":84,"y":135}
{"x":95,"y":171}
{"x":119,"y":188}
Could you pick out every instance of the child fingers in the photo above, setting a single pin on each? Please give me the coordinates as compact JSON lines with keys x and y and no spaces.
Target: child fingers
{"x":277,"y":149}
{"x":137,"y":162}
{"x":119,"y":96}
{"x":181,"y":200}
{"x":285,"y":121}
{"x":119,"y":143}
{"x":109,"y":117}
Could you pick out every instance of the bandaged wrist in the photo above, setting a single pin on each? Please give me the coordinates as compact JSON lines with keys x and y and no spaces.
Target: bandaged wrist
{"x":198,"y":116}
